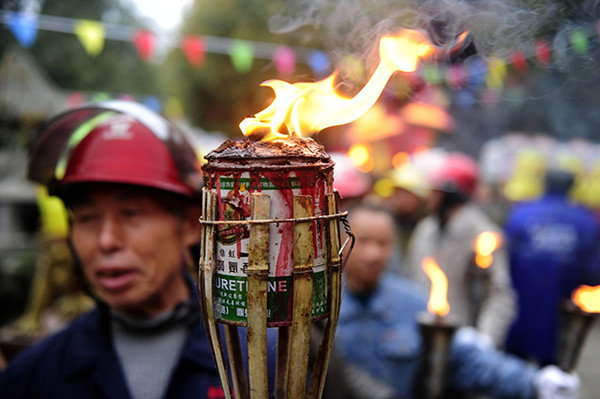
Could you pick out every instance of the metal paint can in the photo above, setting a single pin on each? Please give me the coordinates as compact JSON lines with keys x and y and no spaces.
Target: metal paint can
{"x":236,"y":170}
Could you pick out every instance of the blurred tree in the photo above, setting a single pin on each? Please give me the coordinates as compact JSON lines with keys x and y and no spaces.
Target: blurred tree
{"x":215,"y":95}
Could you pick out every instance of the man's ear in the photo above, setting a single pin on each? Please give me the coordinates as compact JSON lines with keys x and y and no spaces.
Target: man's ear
{"x":191,"y":224}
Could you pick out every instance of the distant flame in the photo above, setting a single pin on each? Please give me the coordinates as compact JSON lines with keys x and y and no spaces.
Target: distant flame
{"x":438,"y":301}
{"x":305,"y":108}
{"x":587,"y":298}
{"x":485,"y":244}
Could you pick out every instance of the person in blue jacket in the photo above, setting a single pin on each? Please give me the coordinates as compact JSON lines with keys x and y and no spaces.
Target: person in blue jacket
{"x":554,"y":247}
{"x":378,"y":330}
{"x":130,"y":182}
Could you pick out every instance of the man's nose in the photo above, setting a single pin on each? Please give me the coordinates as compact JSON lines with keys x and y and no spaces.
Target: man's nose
{"x":374,"y":251}
{"x":110,"y":235}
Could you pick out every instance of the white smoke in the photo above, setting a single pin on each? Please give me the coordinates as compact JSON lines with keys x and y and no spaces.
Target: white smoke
{"x":496,"y":27}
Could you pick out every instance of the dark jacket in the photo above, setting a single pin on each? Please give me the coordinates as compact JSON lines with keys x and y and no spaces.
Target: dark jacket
{"x":80,"y":362}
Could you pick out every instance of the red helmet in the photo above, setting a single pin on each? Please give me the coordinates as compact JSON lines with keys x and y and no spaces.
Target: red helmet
{"x":458,"y":173}
{"x":347,"y":179}
{"x":118,"y":142}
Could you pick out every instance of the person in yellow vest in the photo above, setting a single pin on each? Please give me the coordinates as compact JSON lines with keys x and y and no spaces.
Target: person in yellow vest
{"x":55,"y":297}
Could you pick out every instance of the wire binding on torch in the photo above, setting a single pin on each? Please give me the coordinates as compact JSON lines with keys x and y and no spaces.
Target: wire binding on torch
{"x":350,"y":239}
{"x":341,"y":215}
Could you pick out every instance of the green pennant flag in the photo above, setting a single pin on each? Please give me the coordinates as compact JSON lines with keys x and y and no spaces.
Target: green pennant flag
{"x":242,"y":55}
{"x":579,"y":41}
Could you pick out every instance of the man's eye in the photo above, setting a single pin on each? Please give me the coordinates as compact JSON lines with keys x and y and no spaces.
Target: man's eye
{"x":84,"y":217}
{"x":131,"y":212}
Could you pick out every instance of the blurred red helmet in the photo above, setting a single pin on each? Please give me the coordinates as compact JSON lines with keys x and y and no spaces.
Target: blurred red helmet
{"x":458,"y":173}
{"x":347,"y":179}
{"x":116,"y":142}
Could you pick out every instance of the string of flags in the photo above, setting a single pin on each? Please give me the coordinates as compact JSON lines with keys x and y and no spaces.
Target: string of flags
{"x":93,"y":34}
{"x":472,"y":81}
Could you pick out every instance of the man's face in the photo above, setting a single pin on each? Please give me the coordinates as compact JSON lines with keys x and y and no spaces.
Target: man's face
{"x":130,"y":245}
{"x":375,"y":237}
{"x":434,"y":201}
{"x":404,"y":203}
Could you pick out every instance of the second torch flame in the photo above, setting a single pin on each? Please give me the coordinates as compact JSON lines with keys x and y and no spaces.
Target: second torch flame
{"x":485,"y":245}
{"x":587,"y":298}
{"x":305,"y":108}
{"x":438,"y":296}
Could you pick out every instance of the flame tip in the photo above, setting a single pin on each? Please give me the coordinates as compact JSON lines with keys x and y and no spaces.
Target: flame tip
{"x":587,"y":298}
{"x":305,"y":108}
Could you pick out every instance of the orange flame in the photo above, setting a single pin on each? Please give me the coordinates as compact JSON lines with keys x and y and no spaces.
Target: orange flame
{"x":438,"y":302}
{"x":485,"y":245}
{"x":305,"y":108}
{"x":587,"y":298}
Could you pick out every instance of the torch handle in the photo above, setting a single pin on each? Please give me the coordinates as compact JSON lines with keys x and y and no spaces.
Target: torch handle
{"x":302,"y":299}
{"x":206,"y":269}
{"x":575,"y":326}
{"x":317,"y":382}
{"x":258,"y":274}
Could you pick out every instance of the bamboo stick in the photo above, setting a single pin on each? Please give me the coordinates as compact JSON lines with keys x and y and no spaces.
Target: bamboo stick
{"x":206,"y":289}
{"x":258,"y":274}
{"x":236,"y":362}
{"x":321,"y":364}
{"x":283,"y":355}
{"x":302,"y":299}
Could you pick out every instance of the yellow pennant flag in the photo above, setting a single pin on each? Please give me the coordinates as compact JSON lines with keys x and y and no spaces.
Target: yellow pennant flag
{"x":496,"y":74}
{"x":91,"y":35}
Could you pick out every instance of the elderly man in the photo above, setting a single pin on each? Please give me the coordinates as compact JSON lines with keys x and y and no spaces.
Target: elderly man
{"x":130,"y":183}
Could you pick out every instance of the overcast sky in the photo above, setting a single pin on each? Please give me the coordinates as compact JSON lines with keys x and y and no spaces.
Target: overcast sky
{"x":167,"y":14}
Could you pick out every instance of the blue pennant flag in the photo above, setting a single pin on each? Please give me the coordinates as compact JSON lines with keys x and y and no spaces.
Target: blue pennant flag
{"x":319,"y":63}
{"x":24,"y":27}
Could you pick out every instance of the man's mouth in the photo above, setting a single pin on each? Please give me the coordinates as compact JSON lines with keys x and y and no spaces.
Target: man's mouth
{"x":115,"y":279}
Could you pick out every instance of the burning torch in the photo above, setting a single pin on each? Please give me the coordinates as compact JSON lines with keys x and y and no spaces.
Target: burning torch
{"x":483,"y":248}
{"x":437,"y":330}
{"x":271,"y":255}
{"x":577,"y":317}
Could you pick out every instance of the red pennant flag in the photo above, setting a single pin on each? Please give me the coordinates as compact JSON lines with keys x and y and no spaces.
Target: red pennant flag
{"x":75,"y":99}
{"x":542,"y":52}
{"x":144,"y":41}
{"x":194,"y":49}
{"x":518,"y":61}
{"x":456,"y":76}
{"x":285,"y":60}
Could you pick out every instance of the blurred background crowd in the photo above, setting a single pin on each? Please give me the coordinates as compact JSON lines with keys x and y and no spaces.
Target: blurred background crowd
{"x":520,"y":99}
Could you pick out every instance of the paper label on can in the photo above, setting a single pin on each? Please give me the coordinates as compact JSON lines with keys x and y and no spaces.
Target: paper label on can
{"x":232,"y":248}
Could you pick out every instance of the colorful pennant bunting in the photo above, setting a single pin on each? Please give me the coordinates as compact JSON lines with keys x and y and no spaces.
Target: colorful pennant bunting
{"x":518,"y":61}
{"x":456,"y":76}
{"x":496,"y":74}
{"x":475,"y":78}
{"x":319,"y":63}
{"x":145,"y":41}
{"x":579,"y":40}
{"x":478,"y":70}
{"x":242,"y":55}
{"x":193,"y":48}
{"x":153,"y":103}
{"x":91,"y":34}
{"x":542,"y":52}
{"x":24,"y":27}
{"x":285,"y":60}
